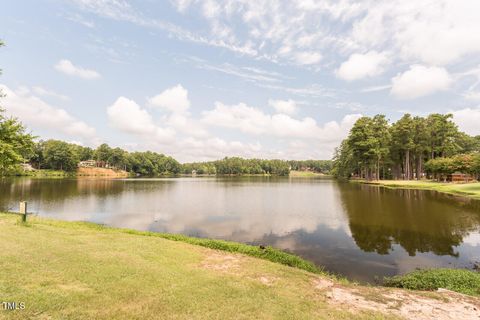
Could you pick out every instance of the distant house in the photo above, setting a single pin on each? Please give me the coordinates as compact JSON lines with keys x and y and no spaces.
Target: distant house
{"x":87,"y":164}
{"x":459,"y":177}
{"x":27,"y":167}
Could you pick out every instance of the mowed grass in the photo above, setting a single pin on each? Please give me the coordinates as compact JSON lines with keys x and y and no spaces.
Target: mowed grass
{"x":65,"y":270}
{"x":470,"y":190}
{"x":305,"y":174}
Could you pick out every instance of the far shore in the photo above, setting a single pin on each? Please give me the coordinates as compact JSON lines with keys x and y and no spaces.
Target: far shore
{"x":114,"y":173}
{"x":469,"y":190}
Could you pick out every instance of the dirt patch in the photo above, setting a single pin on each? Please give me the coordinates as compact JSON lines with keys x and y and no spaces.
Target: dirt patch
{"x":231,"y":264}
{"x":322,"y":283}
{"x":222,"y":262}
{"x":267,"y":280}
{"x":406,"y":304}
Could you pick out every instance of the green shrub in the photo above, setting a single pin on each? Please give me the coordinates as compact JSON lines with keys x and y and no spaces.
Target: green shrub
{"x":463,"y":281}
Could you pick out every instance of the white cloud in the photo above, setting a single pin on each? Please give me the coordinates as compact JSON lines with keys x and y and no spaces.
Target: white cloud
{"x":376,"y":88}
{"x":284,"y":106}
{"x":68,"y":68}
{"x":431,"y":32}
{"x":49,"y":93}
{"x":246,"y":73}
{"x":37,"y":114}
{"x":81,"y":20}
{"x":174,"y":99}
{"x":359,"y":66}
{"x":126,"y":115}
{"x":420,"y":81}
{"x":181,"y":5}
{"x":254,"y":121}
{"x":190,"y":139}
{"x":307,"y":58}
{"x":434,"y":32}
{"x":468,"y":120}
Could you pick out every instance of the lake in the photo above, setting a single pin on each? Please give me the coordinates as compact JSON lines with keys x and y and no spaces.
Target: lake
{"x":359,"y":231}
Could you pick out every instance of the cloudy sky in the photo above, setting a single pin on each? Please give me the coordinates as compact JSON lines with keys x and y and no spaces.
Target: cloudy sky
{"x":204,"y":79}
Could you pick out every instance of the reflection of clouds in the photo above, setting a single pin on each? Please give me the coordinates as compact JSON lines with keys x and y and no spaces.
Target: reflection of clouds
{"x":240,"y":209}
{"x":248,"y":211}
{"x":472,"y":239}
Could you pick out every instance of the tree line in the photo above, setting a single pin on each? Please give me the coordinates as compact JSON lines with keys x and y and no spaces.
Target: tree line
{"x":239,"y":166}
{"x":17,"y":147}
{"x":410,"y":148}
{"x":60,"y":155}
{"x":319,"y":166}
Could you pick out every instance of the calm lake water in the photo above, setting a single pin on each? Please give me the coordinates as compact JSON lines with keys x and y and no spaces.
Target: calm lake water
{"x":358,"y":231}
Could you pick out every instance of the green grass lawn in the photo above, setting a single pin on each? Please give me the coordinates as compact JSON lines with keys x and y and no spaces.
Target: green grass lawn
{"x":305,"y":174}
{"x":64,"y":270}
{"x":470,"y":190}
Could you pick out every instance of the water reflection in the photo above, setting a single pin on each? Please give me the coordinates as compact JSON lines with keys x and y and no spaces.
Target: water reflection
{"x":419,"y":221}
{"x":356,"y":230}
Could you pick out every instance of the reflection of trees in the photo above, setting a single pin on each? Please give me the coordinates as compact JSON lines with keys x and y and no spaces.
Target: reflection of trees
{"x":58,"y":190}
{"x":419,"y":221}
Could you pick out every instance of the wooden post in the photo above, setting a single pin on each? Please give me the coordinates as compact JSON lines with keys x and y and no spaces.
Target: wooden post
{"x":23,"y":210}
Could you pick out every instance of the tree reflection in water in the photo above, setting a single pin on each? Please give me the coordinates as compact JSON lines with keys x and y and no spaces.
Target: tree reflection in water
{"x":419,"y":221}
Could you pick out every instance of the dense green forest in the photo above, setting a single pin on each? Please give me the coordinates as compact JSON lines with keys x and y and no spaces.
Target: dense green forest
{"x":60,"y":155}
{"x":236,"y":166}
{"x":411,"y":148}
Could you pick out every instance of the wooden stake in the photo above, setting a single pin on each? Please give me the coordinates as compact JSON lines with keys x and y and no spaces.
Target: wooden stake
{"x":23,"y":210}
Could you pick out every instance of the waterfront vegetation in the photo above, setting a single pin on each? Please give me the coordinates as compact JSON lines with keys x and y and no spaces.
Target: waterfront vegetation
{"x":463,"y":281}
{"x":411,"y":148}
{"x":469,"y":190}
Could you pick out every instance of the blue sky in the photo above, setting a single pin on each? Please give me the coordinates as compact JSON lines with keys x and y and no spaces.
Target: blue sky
{"x":201,"y":80}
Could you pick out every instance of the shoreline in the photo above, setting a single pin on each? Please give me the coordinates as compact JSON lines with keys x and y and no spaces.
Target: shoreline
{"x":110,"y":173}
{"x":465,"y":190}
{"x":94,"y":271}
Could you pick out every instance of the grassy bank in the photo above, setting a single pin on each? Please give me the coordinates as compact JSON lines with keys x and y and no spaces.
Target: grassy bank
{"x":470,"y":190}
{"x":84,"y":271}
{"x":70,"y":270}
{"x":305,"y":174}
{"x":45,"y":173}
{"x":80,"y":172}
{"x":463,"y":281}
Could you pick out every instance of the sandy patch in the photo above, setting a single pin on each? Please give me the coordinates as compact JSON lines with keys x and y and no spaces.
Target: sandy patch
{"x":101,"y":172}
{"x":445,"y":305}
{"x":322,"y":283}
{"x":267,"y":280}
